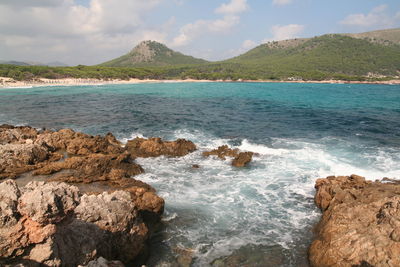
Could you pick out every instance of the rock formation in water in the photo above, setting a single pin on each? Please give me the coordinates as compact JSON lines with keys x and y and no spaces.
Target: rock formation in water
{"x":360,"y":225}
{"x":53,"y":223}
{"x":240,"y":159}
{"x":154,"y":147}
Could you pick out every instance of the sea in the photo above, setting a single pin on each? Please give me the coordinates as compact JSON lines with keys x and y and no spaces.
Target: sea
{"x":219,"y":215}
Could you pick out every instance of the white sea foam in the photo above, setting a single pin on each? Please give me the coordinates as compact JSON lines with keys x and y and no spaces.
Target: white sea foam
{"x":218,"y":208}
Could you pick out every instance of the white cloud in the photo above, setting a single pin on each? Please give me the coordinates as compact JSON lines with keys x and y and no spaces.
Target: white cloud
{"x":248,"y":44}
{"x":376,"y":18}
{"x":285,"y":32}
{"x":75,"y":33}
{"x":282,"y":2}
{"x":230,"y":18}
{"x":233,"y":7}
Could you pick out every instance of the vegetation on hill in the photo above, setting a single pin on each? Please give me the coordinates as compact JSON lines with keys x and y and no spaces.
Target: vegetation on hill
{"x":389,"y":36}
{"x":325,"y":57}
{"x":152,"y":54}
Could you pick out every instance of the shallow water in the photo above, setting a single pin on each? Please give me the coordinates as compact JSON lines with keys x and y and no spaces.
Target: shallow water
{"x":300,"y":131}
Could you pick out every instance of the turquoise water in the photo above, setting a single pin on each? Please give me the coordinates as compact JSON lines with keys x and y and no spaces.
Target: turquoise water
{"x":301,"y":132}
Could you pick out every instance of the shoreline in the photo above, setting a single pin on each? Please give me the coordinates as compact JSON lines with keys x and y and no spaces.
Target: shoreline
{"x":7,"y":83}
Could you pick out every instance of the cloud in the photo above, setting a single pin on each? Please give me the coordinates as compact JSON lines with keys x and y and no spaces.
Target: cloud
{"x":378,"y":17}
{"x":248,"y":44}
{"x":282,"y":2}
{"x":230,"y":18}
{"x":285,"y":32}
{"x":84,"y":33}
{"x":233,"y":7}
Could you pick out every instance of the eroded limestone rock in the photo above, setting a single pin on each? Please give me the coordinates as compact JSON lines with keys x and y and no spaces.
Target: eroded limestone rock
{"x":54,"y":225}
{"x":360,"y":223}
{"x":155,"y":147}
{"x":240,"y":159}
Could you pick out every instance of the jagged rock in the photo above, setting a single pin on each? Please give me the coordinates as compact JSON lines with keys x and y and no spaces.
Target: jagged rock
{"x":80,"y":143}
{"x":56,"y":226}
{"x":360,"y":223}
{"x":92,"y":168}
{"x":9,"y":194}
{"x":154,"y":147}
{"x":240,"y":159}
{"x":19,"y":158}
{"x":10,"y":134}
{"x":48,"y":202}
{"x":222,"y":152}
{"x":41,"y":222}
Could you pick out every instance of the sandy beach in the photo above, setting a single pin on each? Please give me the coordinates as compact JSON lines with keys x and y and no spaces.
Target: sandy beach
{"x":6,"y":82}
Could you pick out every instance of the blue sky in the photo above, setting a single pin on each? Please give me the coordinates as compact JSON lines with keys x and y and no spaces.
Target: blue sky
{"x":92,"y":31}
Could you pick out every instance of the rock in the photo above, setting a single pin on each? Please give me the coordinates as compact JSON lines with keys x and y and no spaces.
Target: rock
{"x":360,"y":223}
{"x":80,"y":143}
{"x":16,"y":135}
{"x":51,"y":223}
{"x":47,"y":203}
{"x":222,"y":152}
{"x":92,"y":168}
{"x":9,"y":194}
{"x":155,"y":147}
{"x":240,"y":159}
{"x":56,"y":226}
{"x":19,"y":158}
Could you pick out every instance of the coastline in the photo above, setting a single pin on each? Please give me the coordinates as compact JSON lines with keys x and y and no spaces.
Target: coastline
{"x":6,"y":82}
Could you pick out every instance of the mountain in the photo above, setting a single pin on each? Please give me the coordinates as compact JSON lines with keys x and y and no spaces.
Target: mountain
{"x":381,"y":36}
{"x":150,"y":54}
{"x":332,"y":53}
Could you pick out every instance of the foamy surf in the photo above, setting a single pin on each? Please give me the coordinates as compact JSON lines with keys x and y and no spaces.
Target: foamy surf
{"x":218,"y":209}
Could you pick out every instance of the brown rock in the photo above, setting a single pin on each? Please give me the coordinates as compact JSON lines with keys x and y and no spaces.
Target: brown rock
{"x":16,"y":135}
{"x":48,"y":202}
{"x":222,"y":152}
{"x":58,"y":227}
{"x":155,"y":147}
{"x":9,"y":194}
{"x":242,"y":159}
{"x":19,"y":158}
{"x":80,"y":143}
{"x":360,"y":223}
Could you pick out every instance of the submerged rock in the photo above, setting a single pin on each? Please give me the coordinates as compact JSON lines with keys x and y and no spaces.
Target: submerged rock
{"x":240,"y":159}
{"x":360,"y":223}
{"x":54,"y":225}
{"x":253,"y":256}
{"x":155,"y":147}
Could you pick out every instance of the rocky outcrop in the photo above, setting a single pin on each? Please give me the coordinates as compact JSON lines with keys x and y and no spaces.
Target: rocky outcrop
{"x":54,"y":225}
{"x":240,"y":159}
{"x":155,"y":147}
{"x":360,"y":223}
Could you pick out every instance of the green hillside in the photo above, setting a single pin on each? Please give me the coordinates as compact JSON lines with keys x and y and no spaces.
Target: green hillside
{"x":151,"y":54}
{"x":333,"y":56}
{"x":381,"y":36}
{"x":325,"y":54}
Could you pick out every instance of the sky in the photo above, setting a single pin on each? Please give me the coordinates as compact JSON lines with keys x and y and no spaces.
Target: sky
{"x":89,"y":32}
